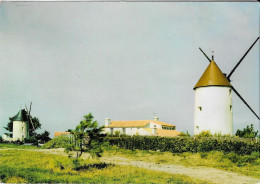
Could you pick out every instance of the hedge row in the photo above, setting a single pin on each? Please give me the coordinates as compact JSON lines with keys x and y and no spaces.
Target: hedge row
{"x":186,"y":144}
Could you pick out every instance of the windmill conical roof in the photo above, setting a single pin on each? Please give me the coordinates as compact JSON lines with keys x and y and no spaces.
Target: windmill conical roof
{"x":212,"y":76}
{"x":21,"y":116}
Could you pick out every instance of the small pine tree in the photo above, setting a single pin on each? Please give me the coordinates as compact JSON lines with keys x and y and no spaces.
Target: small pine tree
{"x":87,"y":137}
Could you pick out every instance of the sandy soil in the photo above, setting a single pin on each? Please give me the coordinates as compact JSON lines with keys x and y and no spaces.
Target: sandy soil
{"x":203,"y":173}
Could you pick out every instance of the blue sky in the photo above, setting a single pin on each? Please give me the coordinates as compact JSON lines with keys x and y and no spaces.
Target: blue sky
{"x":125,"y":61}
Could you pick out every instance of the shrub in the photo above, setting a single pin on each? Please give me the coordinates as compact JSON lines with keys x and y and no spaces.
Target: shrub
{"x":32,"y":140}
{"x":57,"y":142}
{"x":182,"y":134}
{"x":247,"y":132}
{"x":204,"y":134}
{"x":187,"y":144}
{"x":15,"y":179}
{"x":76,"y":163}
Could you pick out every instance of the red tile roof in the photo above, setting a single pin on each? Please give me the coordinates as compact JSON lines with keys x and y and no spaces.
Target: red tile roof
{"x":136,"y":123}
{"x":57,"y":134}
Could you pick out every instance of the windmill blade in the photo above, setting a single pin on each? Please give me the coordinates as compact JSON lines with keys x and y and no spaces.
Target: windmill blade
{"x":245,"y":102}
{"x":205,"y":54}
{"x":30,"y":109}
{"x":241,"y":59}
{"x":29,"y":117}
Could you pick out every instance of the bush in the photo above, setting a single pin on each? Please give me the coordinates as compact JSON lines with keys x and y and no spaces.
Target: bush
{"x":32,"y":140}
{"x":182,"y":134}
{"x":204,"y":134}
{"x":187,"y":144}
{"x":247,"y":132}
{"x":57,"y":142}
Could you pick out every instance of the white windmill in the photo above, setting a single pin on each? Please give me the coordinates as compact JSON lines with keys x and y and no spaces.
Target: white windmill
{"x":213,"y":99}
{"x":21,"y":124}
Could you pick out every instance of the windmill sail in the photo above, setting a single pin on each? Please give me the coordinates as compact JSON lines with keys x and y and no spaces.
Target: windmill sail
{"x":241,"y":59}
{"x":205,"y":54}
{"x":245,"y":102}
{"x":228,"y":77}
{"x":29,"y":117}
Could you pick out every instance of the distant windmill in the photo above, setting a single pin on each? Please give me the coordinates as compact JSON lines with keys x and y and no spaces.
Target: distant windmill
{"x":213,"y":102}
{"x":20,"y":126}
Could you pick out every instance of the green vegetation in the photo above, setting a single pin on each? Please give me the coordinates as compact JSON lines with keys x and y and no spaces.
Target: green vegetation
{"x":247,"y":132}
{"x":229,"y":161}
{"x":57,"y":142}
{"x":10,"y":145}
{"x":187,"y":144}
{"x":242,"y":164}
{"x":182,"y":134}
{"x":21,"y":166}
{"x":87,"y":137}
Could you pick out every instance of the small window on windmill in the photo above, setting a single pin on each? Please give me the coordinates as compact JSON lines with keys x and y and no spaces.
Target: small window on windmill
{"x":229,"y":92}
{"x":22,"y":128}
{"x":230,"y":108}
{"x":197,"y":127}
{"x":200,"y":108}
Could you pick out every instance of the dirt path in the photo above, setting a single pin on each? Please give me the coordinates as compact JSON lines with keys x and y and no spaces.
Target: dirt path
{"x":203,"y":173}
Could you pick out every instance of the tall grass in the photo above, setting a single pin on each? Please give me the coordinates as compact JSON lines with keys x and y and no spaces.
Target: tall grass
{"x":21,"y":166}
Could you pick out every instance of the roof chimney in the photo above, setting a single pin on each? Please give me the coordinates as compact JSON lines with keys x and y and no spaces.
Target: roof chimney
{"x":107,"y":122}
{"x":156,"y":118}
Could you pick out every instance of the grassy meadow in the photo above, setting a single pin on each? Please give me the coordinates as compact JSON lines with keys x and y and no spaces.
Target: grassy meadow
{"x":246,"y":165}
{"x":29,"y":166}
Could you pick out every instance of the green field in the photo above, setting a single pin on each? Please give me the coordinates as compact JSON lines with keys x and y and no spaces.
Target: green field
{"x":22,"y":166}
{"x":28,"y":164}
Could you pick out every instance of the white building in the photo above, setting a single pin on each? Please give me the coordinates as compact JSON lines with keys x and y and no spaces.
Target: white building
{"x":213,"y":102}
{"x":141,"y":127}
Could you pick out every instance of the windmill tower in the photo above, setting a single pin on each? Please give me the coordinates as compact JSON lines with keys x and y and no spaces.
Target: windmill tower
{"x":20,"y":126}
{"x":213,"y":102}
{"x":213,"y":99}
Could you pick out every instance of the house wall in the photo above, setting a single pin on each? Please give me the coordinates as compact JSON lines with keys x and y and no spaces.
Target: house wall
{"x":213,"y":110}
{"x":20,"y":130}
{"x":7,"y":138}
{"x":153,"y":125}
{"x":129,"y":131}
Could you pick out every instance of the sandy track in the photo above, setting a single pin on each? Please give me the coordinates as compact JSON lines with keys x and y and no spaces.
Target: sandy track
{"x":203,"y":173}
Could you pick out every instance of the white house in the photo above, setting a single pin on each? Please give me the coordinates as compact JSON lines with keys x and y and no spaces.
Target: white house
{"x":141,"y":127}
{"x":213,"y":102}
